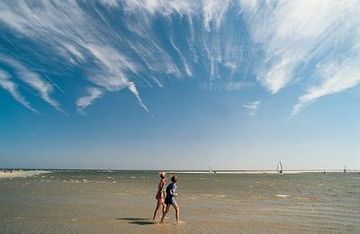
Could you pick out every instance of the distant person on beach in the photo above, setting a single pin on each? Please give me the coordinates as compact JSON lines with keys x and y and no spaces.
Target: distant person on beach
{"x":160,"y":195}
{"x":170,"y":199}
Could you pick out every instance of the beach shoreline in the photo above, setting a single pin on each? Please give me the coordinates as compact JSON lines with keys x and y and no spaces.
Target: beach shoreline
{"x":21,"y":173}
{"x":88,"y":201}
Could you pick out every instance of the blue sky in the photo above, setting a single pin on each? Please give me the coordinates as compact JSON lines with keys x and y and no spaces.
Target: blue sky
{"x":145,"y":84}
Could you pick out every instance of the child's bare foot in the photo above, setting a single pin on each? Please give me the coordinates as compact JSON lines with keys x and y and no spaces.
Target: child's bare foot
{"x":179,"y":222}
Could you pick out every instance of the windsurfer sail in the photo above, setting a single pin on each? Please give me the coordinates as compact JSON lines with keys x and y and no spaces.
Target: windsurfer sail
{"x":279,"y":168}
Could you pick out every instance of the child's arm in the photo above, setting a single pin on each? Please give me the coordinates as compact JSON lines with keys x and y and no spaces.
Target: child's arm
{"x":173,"y":191}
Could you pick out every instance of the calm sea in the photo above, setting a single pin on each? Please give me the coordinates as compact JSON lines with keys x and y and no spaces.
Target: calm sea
{"x":66,"y":201}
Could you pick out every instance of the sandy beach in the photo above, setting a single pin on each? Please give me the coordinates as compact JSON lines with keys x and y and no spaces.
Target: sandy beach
{"x":123,"y":202}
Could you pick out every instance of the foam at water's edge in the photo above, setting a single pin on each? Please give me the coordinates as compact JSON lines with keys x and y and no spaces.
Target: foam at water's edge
{"x":21,"y":173}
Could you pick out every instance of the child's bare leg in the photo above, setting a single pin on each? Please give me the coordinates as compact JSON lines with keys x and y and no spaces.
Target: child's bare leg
{"x":156,"y":209}
{"x":177,"y":211}
{"x":164,"y":214}
{"x":163,"y":207}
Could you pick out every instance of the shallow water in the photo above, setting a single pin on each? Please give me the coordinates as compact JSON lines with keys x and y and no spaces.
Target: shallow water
{"x":123,"y":202}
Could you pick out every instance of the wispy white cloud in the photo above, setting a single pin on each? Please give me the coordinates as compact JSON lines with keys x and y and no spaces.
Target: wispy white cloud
{"x":33,"y":80}
{"x":133,"y":89}
{"x":335,"y":78}
{"x":117,"y":44}
{"x":214,"y":11}
{"x":110,"y":3}
{"x":252,"y":107}
{"x":163,"y":6}
{"x":11,"y":87}
{"x":238,"y":85}
{"x":93,"y":93}
{"x":217,"y":40}
{"x":289,"y":32}
{"x":112,"y":67}
{"x":303,"y":40}
{"x":183,"y":60}
{"x":67,"y":29}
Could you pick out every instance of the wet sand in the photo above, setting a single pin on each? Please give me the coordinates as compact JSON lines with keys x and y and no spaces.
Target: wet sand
{"x":123,"y":203}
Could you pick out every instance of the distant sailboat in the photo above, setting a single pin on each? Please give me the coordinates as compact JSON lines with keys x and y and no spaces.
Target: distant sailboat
{"x":344,"y":169}
{"x":211,"y":171}
{"x":279,"y":168}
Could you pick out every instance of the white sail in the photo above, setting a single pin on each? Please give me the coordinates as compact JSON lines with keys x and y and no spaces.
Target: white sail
{"x":210,"y":170}
{"x":279,"y":168}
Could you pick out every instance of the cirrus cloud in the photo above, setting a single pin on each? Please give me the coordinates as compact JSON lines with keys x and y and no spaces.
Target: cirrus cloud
{"x":129,"y":44}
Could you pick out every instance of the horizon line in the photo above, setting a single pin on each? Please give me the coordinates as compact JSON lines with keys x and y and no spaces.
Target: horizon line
{"x":184,"y":170}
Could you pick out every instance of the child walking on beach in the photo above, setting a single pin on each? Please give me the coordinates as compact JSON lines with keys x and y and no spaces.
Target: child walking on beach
{"x":160,"y":195}
{"x":170,"y":199}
